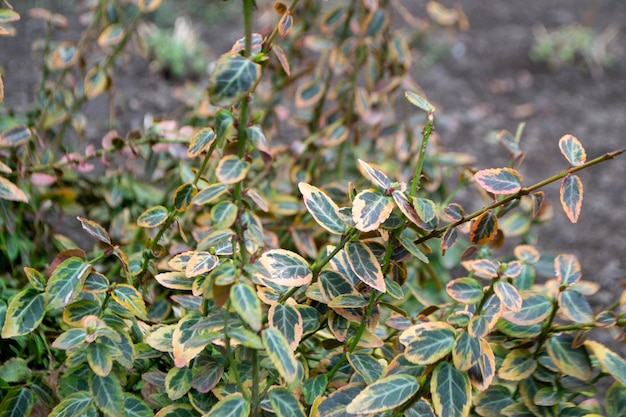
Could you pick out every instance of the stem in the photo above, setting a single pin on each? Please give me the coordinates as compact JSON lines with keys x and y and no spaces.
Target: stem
{"x":524,"y":191}
{"x":428,"y":129}
{"x":546,"y":327}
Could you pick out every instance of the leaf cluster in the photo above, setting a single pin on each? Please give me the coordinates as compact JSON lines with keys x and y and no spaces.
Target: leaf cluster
{"x":301,"y":253}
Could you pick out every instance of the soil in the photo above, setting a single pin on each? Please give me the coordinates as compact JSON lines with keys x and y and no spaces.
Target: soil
{"x":486,"y":82}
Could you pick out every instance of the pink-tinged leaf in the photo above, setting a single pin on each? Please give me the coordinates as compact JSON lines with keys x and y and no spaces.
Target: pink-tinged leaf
{"x":95,"y":230}
{"x":10,"y":191}
{"x":375,"y":175}
{"x":41,"y":179}
{"x":484,"y":228}
{"x":285,"y":268}
{"x":537,"y":202}
{"x":572,"y":196}
{"x":285,"y":24}
{"x":499,"y":180}
{"x":454,"y":212}
{"x":419,"y":101}
{"x":449,"y":238}
{"x":512,"y":269}
{"x":527,"y":254}
{"x":282,"y":58}
{"x":568,"y":269}
{"x":406,"y":207}
{"x":483,"y":268}
{"x":572,"y":150}
{"x":364,"y":264}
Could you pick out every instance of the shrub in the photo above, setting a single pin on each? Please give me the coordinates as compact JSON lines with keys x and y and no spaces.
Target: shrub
{"x":294,"y":247}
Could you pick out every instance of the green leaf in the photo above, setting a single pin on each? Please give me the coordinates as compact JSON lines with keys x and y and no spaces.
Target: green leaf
{"x":286,"y":268}
{"x":131,"y":299}
{"x":571,"y":196}
{"x":42,"y":389}
{"x":335,"y":404}
{"x":24,"y":313}
{"x":419,"y":101}
{"x":177,"y":410}
{"x":568,"y":269}
{"x":610,"y":361}
{"x":481,"y":375}
{"x":365,"y":266}
{"x":153,"y":217}
{"x":244,"y":300}
{"x":231,"y":169}
{"x":466,"y":351}
{"x":571,"y":361}
{"x":616,"y":400}
{"x":184,"y":195}
{"x":574,"y":306}
{"x":314,"y":387}
{"x":370,"y":209}
{"x":73,"y":405}
{"x":234,"y":405}
{"x":106,"y":392}
{"x":95,"y":230}
{"x":15,"y":136}
{"x":96,"y":82}
{"x":284,"y":403}
{"x":535,"y":309}
{"x":427,"y":212}
{"x":65,"y":282}
{"x":365,"y":365}
{"x":136,"y":407}
{"x":508,"y":295}
{"x":572,"y":150}
{"x":413,"y":249}
{"x":375,"y":175}
{"x":10,"y":191}
{"x":385,"y":394}
{"x":518,"y":331}
{"x":232,"y":79}
{"x":18,"y":402}
{"x":322,"y":208}
{"x":200,"y":142}
{"x":451,"y":391}
{"x":348,"y":301}
{"x":465,"y":290}
{"x":288,"y":321}
{"x":209,"y":194}
{"x":484,"y":228}
{"x":280,"y":354}
{"x":96,"y":283}
{"x":207,"y":377}
{"x":427,"y":342}
{"x":517,"y":365}
{"x":70,"y":339}
{"x":178,"y":382}
{"x":309,"y":93}
{"x":35,"y":278}
{"x":490,"y":403}
{"x":99,"y":359}
{"x":224,"y":214}
{"x":406,"y":207}
{"x":499,"y":181}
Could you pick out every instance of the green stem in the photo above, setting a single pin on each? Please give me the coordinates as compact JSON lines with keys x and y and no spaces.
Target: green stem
{"x":546,"y":327}
{"x":428,"y":129}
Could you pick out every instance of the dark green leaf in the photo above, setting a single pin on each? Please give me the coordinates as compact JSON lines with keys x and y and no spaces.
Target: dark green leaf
{"x":153,"y":217}
{"x":232,"y":79}
{"x":490,"y":403}
{"x":314,"y":387}
{"x":99,"y":359}
{"x":206,"y":377}
{"x":366,"y":366}
{"x":18,"y":402}
{"x":178,"y":382}
{"x":135,"y":407}
{"x":200,"y":142}
{"x":209,"y":194}
{"x":234,"y":405}
{"x":574,"y":306}
{"x":284,"y":403}
{"x":231,"y":169}
{"x":322,"y":208}
{"x":535,"y":309}
{"x":426,"y":343}
{"x":571,"y":361}
{"x":466,"y":351}
{"x":384,"y":394}
{"x":106,"y":393}
{"x":465,"y":290}
{"x":15,"y":136}
{"x":24,"y":313}
{"x":517,"y":365}
{"x":73,"y":405}
{"x":616,"y":400}
{"x":451,"y":391}
{"x":184,"y":195}
{"x":288,"y":320}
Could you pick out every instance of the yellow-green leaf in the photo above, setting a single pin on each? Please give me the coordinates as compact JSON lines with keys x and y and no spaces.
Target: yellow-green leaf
{"x":419,"y":101}
{"x":244,"y":300}
{"x":200,"y":142}
{"x":96,"y":82}
{"x":568,"y":269}
{"x":153,"y":217}
{"x":575,"y":306}
{"x":95,"y":230}
{"x":288,"y":320}
{"x":106,"y":392}
{"x":427,"y":342}
{"x":285,"y":403}
{"x":365,"y":266}
{"x":571,"y":361}
{"x":231,"y":169}
{"x":572,"y":150}
{"x":370,"y":209}
{"x":75,"y":404}
{"x":465,"y":290}
{"x":234,"y":405}
{"x":209,"y":194}
{"x":18,"y":402}
{"x":322,"y":208}
{"x":384,"y":394}
{"x":508,"y":295}
{"x":111,"y":36}
{"x":65,"y":282}
{"x":178,"y":382}
{"x":280,"y":354}
{"x":99,"y":358}
{"x":184,"y":195}
{"x":517,"y":365}
{"x":131,"y":299}
{"x":286,"y":268}
{"x":147,"y":6}
{"x":24,"y":313}
{"x":200,"y":263}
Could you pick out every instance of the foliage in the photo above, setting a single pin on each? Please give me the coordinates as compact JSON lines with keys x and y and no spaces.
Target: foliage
{"x":294,"y":248}
{"x":575,"y":44}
